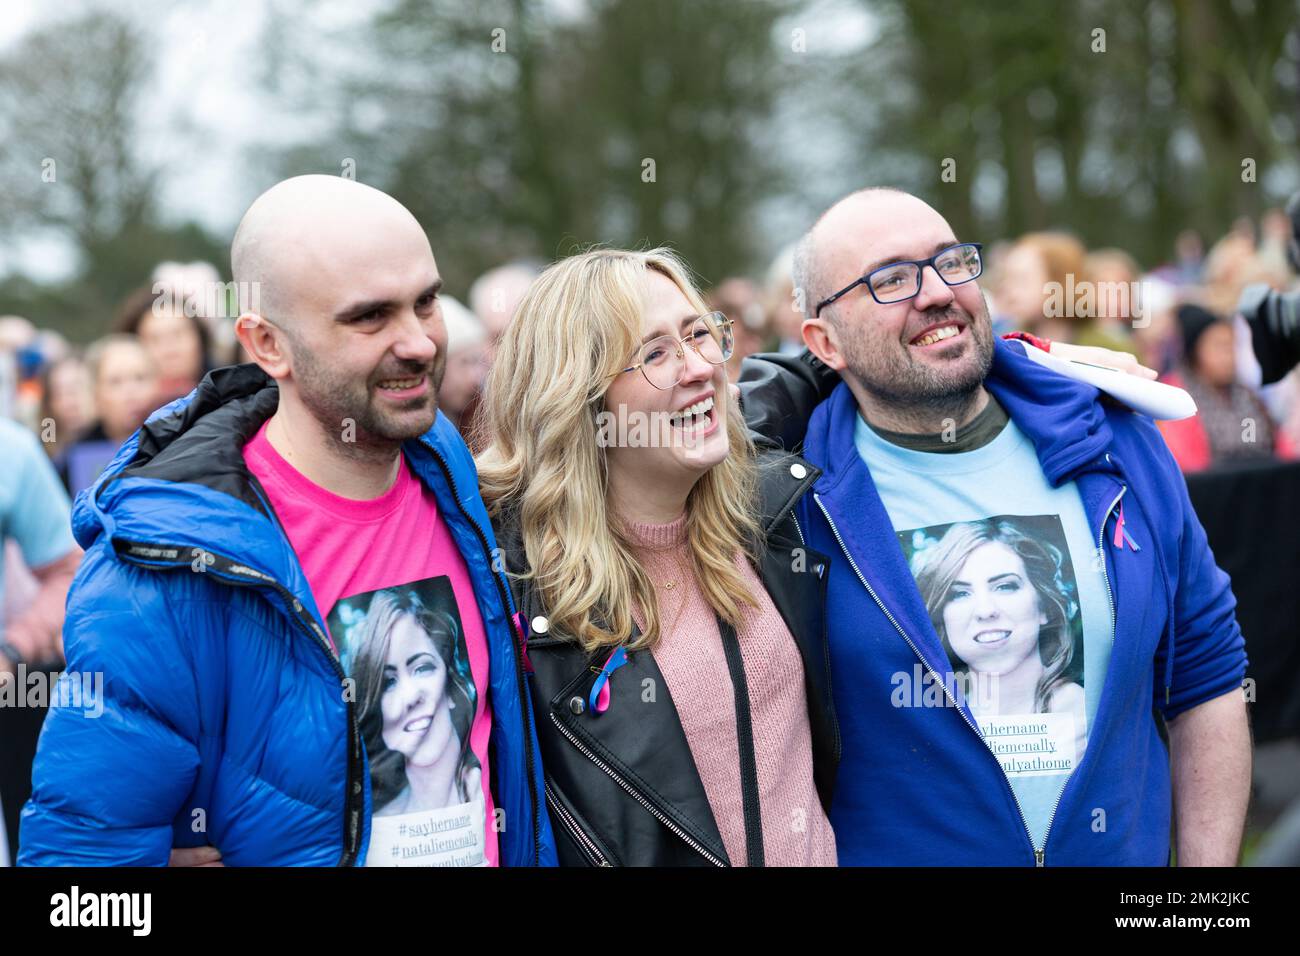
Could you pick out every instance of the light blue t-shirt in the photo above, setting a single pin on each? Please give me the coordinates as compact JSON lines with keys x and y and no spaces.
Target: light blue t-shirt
{"x":1007,"y":566}
{"x":34,"y":508}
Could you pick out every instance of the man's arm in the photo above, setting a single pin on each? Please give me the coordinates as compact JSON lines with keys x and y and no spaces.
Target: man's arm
{"x":1211,"y":750}
{"x":117,"y":760}
{"x":36,"y":635}
{"x":36,"y":515}
{"x":1209,"y":735}
{"x":1202,"y":702}
{"x":779,"y":392}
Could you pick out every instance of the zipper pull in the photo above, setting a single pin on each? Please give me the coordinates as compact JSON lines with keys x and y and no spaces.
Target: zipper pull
{"x":521,"y":627}
{"x":1038,"y":857}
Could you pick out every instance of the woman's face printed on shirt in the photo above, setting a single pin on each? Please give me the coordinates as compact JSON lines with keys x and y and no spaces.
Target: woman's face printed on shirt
{"x":416,"y":709}
{"x":992,"y":614}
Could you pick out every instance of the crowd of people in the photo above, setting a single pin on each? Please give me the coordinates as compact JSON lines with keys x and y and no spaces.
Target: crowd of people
{"x":1175,"y":317}
{"x":1052,"y":285}
{"x":616,"y":550}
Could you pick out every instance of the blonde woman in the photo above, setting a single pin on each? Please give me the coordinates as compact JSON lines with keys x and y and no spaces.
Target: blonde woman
{"x":680,"y":676}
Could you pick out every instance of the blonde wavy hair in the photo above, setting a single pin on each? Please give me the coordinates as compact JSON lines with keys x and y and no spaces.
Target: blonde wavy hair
{"x":543,"y":467}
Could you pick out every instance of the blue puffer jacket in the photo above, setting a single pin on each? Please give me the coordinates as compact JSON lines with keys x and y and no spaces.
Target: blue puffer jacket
{"x":224,"y":720}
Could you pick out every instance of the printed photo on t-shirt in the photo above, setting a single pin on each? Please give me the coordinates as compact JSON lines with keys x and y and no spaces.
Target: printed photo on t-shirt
{"x":1002,"y":596}
{"x":404,"y":649}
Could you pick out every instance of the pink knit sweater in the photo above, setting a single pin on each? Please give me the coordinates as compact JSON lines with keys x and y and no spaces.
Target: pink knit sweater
{"x":690,"y":655}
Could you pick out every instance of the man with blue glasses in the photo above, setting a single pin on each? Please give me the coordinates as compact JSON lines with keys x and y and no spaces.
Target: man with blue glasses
{"x":1034,"y":657}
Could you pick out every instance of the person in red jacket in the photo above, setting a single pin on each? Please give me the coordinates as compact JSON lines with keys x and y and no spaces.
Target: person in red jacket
{"x":1231,"y":423}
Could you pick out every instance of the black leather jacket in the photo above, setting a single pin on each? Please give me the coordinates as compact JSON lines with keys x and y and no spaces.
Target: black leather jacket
{"x":621,"y":786}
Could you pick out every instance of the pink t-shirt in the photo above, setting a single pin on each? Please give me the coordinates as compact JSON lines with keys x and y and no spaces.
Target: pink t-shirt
{"x":399,"y":607}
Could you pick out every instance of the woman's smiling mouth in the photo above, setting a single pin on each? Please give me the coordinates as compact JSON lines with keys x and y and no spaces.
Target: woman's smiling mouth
{"x":694,"y":416}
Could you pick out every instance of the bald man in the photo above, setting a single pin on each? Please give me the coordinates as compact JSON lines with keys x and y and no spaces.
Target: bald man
{"x":1021,"y":605}
{"x":292,"y":590}
{"x":496,"y":294}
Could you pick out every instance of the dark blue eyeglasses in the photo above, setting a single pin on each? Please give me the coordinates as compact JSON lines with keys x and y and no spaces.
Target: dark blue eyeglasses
{"x":902,"y":280}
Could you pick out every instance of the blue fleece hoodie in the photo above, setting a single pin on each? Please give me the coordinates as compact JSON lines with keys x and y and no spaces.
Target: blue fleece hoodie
{"x":917,"y":785}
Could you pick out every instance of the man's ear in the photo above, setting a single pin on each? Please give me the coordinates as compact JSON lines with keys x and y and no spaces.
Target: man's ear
{"x":822,"y":339}
{"x":266,"y":343}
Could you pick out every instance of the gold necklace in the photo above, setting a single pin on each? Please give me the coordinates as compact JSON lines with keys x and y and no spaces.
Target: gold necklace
{"x":681,"y":606}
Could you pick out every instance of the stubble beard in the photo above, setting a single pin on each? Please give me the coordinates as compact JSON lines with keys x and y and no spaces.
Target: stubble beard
{"x":348,"y":409}
{"x":909,"y":390}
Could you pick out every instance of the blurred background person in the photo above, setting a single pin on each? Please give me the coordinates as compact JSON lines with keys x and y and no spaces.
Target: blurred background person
{"x":1156,"y":338}
{"x":1275,"y":232}
{"x":493,"y":298}
{"x":124,"y":385}
{"x":1189,"y":257}
{"x":38,"y":559}
{"x":67,"y":403}
{"x":1118,"y":300}
{"x":177,"y":343}
{"x":1188,"y":262}
{"x":199,"y":286}
{"x":1042,"y":290}
{"x":738,"y":299}
{"x":994,"y":255}
{"x":784,"y":319}
{"x":1026,"y":271}
{"x":1231,"y":423}
{"x":18,"y":396}
{"x":462,"y":379}
{"x":1277,"y":262}
{"x":1229,"y":267}
{"x":15,"y":332}
{"x":496,"y":294}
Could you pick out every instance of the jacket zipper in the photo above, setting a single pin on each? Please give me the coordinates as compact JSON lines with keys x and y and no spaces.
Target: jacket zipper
{"x":524,"y":709}
{"x":256,"y":579}
{"x":1038,"y":854}
{"x":1101,"y":556}
{"x":826,"y":648}
{"x":570,"y":824}
{"x":631,"y":791}
{"x":797,"y":529}
{"x":1110,"y":600}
